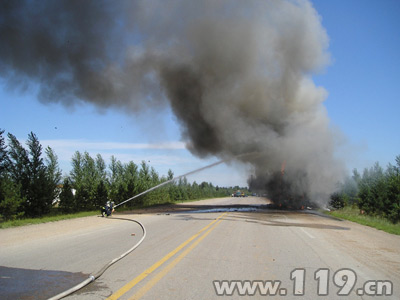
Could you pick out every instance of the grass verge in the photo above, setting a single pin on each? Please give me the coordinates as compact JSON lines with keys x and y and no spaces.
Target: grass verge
{"x":55,"y":215}
{"x":46,"y":219}
{"x":353,"y":214}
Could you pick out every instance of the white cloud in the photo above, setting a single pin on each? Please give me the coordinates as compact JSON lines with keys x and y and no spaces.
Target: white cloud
{"x":90,"y":145}
{"x":161,"y":156}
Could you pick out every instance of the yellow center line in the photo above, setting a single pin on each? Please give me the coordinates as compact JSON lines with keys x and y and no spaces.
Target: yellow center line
{"x":150,"y":270}
{"x":169,"y":267}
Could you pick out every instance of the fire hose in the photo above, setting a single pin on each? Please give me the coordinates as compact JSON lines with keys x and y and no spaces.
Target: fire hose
{"x":96,"y":275}
{"x":93,"y":277}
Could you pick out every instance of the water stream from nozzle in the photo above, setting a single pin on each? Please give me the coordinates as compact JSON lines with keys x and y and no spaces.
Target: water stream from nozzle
{"x":171,"y":180}
{"x":187,"y":174}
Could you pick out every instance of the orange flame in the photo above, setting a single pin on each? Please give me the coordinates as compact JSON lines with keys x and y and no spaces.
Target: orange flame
{"x":283,"y":167}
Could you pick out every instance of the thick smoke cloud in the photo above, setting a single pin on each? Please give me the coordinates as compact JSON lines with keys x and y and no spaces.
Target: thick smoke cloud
{"x":237,"y":75}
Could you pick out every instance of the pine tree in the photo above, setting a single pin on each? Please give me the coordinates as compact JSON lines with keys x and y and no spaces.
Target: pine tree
{"x":67,"y":199}
{"x":116,"y":178}
{"x":100,"y":166}
{"x":10,"y":199}
{"x":18,"y":168}
{"x":131,"y":178}
{"x":101,"y":194}
{"x":90,"y":180}
{"x":4,"y":161}
{"x":144,"y":182}
{"x":41,"y":190}
{"x":53,"y":171}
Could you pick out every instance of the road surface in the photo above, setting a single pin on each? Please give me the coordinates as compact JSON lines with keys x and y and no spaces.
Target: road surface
{"x":192,"y":252}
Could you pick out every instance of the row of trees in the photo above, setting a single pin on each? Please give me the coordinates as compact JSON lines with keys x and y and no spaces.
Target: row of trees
{"x":31,"y":185}
{"x":375,"y":192}
{"x":27,"y":180}
{"x":93,"y":183}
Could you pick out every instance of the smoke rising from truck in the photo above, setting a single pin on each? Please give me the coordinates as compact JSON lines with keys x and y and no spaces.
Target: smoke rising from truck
{"x":237,"y":75}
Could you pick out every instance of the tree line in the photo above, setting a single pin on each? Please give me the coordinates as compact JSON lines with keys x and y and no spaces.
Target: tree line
{"x":375,"y":192}
{"x":32,"y":185}
{"x":27,"y":180}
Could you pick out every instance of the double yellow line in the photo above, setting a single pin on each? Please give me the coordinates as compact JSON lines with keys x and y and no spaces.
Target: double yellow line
{"x":169,"y":267}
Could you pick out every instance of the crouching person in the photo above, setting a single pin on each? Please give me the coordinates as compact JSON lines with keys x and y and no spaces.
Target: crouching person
{"x":108,"y":209}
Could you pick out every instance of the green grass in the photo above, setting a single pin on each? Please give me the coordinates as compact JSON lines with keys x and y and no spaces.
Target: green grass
{"x":55,"y":215}
{"x":353,"y":214}
{"x":46,"y":219}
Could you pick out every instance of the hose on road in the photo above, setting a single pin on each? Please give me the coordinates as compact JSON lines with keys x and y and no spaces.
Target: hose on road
{"x":102,"y":270}
{"x":96,"y":275}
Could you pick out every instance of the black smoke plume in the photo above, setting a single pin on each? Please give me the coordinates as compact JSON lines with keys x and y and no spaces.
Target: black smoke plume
{"x":237,"y":75}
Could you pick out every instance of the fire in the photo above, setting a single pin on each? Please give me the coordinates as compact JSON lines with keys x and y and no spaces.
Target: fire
{"x":283,"y":168}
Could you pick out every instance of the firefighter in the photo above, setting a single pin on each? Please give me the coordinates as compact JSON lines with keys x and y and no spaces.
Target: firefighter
{"x":107,"y":209}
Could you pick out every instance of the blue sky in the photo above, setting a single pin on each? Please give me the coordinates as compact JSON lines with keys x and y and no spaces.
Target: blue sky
{"x":362,"y":81}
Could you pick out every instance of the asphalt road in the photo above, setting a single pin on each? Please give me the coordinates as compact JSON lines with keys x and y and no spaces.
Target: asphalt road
{"x":187,"y":254}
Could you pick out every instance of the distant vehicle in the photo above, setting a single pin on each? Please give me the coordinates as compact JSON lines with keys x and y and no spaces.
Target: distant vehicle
{"x":239,"y":194}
